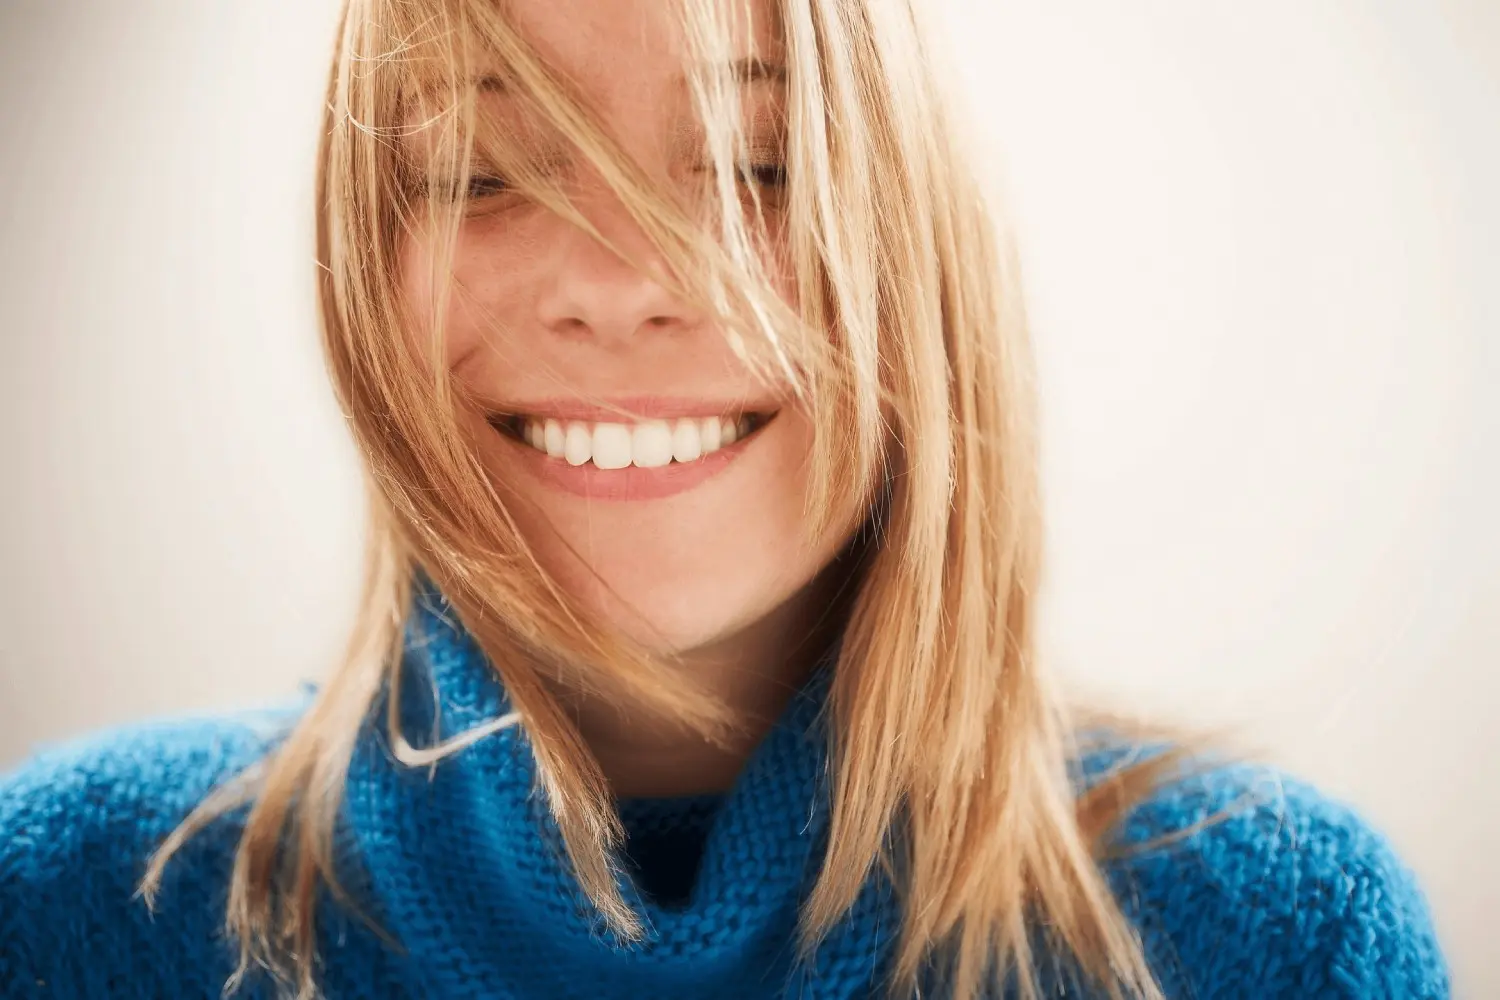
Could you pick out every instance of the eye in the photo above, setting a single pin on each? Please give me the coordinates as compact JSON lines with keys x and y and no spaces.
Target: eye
{"x":480,"y":187}
{"x":484,"y":186}
{"x":769,"y":175}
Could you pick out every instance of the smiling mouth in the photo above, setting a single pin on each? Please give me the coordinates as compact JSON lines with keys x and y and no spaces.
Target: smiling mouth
{"x":644,"y":444}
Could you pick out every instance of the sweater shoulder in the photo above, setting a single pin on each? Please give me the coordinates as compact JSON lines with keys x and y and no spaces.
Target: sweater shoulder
{"x":1245,"y":874}
{"x":134,"y":781}
{"x":79,"y":820}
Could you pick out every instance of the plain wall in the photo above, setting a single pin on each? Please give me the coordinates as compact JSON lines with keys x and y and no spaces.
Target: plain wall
{"x":1261,"y":257}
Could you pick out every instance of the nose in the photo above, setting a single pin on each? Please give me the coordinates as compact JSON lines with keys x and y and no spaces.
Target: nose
{"x":595,"y":293}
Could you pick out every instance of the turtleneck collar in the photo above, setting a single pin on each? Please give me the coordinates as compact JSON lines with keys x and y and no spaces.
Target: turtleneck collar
{"x":465,"y":865}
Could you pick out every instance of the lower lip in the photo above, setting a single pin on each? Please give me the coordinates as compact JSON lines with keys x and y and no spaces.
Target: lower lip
{"x":631,"y":482}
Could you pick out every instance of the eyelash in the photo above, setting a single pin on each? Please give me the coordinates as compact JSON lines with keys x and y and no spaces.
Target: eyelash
{"x":759,"y":171}
{"x":765,"y":175}
{"x":483,"y":186}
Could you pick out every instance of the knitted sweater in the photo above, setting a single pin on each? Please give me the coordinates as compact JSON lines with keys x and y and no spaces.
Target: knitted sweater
{"x":1291,"y":895}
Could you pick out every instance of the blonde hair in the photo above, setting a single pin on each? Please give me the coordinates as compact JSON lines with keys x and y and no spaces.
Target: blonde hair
{"x":908,"y":345}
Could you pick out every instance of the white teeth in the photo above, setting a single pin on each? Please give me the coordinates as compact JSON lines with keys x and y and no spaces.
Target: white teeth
{"x":647,"y":445}
{"x":708,"y":431}
{"x":555,"y":439}
{"x":651,"y":445}
{"x":578,"y":444}
{"x":687,"y":443}
{"x":611,"y":446}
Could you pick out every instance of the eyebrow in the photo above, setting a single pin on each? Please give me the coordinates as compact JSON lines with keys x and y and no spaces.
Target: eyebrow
{"x":747,"y":71}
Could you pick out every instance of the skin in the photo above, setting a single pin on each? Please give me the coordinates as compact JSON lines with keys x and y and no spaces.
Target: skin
{"x":724,"y":575}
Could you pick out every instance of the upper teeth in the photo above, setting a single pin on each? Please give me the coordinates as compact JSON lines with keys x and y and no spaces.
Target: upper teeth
{"x":648,"y":444}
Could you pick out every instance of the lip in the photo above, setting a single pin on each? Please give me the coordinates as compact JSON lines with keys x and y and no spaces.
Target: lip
{"x":617,"y":409}
{"x":631,"y":482}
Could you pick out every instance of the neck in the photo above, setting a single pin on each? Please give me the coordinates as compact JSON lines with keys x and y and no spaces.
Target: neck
{"x":755,"y":672}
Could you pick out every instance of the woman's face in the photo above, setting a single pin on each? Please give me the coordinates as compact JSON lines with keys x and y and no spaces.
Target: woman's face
{"x":681,"y":522}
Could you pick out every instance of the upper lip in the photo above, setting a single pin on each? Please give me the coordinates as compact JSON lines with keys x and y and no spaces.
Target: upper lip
{"x":609,"y":409}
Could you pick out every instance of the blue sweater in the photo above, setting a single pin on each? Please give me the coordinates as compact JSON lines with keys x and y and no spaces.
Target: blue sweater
{"x":1291,"y":896}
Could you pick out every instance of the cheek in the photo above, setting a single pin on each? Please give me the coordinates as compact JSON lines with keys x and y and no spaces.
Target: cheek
{"x":486,"y":284}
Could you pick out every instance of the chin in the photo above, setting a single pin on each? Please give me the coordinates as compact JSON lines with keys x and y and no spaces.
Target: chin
{"x":680,"y":622}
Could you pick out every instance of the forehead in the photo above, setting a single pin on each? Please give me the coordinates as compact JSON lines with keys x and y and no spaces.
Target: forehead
{"x":629,"y":52}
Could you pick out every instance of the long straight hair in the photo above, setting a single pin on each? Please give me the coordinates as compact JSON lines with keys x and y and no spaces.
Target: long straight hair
{"x":907,"y":343}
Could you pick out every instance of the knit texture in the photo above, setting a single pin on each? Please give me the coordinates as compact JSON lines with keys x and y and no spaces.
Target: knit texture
{"x":1292,"y":895}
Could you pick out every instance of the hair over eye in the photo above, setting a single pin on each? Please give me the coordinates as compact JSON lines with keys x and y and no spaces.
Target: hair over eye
{"x":486,"y":186}
{"x":766,"y":175}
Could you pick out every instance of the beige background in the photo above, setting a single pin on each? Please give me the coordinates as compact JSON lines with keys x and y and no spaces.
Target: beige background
{"x":1262,"y":254}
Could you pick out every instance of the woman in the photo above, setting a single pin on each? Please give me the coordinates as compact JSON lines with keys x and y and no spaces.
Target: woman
{"x":696,"y":652}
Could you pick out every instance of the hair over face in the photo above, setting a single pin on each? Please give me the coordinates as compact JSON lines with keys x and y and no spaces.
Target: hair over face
{"x":906,"y":342}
